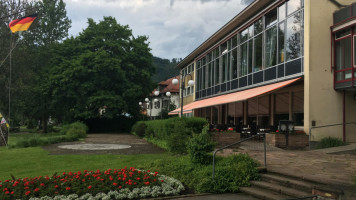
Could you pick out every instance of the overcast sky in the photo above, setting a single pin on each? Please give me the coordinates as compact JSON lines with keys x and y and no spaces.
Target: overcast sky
{"x":174,"y":27}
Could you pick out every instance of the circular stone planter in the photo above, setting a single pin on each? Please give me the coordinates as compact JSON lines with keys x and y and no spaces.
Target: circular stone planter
{"x":95,"y":146}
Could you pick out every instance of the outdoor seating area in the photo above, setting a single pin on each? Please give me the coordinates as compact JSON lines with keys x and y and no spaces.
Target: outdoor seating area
{"x":245,"y":130}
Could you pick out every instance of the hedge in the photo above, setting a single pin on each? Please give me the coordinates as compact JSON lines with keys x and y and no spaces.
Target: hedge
{"x":162,"y":129}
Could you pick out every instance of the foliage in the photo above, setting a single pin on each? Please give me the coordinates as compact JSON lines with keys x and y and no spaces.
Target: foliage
{"x":165,"y":69}
{"x":199,"y":146}
{"x":160,"y":143}
{"x":330,"y":142}
{"x":68,"y":133}
{"x":162,"y":129}
{"x":177,"y":141}
{"x":230,"y":172}
{"x":104,"y":68}
{"x":92,"y":182}
{"x":139,"y":129}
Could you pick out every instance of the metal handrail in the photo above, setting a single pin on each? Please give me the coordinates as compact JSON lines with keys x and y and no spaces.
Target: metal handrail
{"x":330,"y":125}
{"x":264,"y":145}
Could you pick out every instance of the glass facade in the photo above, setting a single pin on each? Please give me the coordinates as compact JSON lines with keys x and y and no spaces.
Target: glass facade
{"x":269,"y":48}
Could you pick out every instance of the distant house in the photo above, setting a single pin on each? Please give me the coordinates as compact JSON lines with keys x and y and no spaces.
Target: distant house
{"x":279,"y":60}
{"x":162,"y":101}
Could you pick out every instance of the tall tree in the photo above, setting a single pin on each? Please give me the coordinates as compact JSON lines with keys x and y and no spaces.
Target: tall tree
{"x":104,"y":67}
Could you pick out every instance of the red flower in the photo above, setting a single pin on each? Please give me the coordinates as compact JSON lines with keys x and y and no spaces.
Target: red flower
{"x":162,"y":181}
{"x":67,"y":188}
{"x":138,"y":178}
{"x":27,"y":193}
{"x":147,"y":183}
{"x":89,"y":187}
{"x":7,"y":192}
{"x":56,"y":186}
{"x":12,"y":192}
{"x":42,"y":184}
{"x":37,"y":189}
{"x":114,"y":184}
{"x":26,"y":188}
{"x":119,"y":187}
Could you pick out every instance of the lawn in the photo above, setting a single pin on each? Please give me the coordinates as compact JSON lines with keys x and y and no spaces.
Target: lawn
{"x":34,"y":161}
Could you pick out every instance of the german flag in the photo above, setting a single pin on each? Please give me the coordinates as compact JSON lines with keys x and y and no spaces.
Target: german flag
{"x":22,"y":24}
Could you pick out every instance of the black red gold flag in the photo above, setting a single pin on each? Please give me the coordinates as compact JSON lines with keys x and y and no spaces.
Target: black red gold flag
{"x":22,"y":24}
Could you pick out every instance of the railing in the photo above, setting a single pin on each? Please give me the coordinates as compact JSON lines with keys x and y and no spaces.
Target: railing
{"x":314,"y":127}
{"x":258,"y":135}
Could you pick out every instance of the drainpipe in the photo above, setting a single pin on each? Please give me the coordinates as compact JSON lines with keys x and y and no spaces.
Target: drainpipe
{"x":343,"y":118}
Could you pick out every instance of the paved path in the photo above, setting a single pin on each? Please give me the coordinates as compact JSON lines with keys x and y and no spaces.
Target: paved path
{"x":330,"y":166}
{"x":138,"y":146}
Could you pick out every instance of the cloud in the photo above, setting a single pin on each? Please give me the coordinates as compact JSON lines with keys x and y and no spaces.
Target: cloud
{"x":175,"y":28}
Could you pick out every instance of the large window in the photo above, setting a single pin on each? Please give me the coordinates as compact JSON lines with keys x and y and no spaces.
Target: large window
{"x":273,"y":40}
{"x":343,"y":56}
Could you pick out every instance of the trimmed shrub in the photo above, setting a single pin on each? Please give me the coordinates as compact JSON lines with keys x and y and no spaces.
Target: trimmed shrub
{"x":139,"y":129}
{"x":177,"y":142}
{"x":199,"y":146}
{"x":330,"y":142}
{"x":231,"y":172}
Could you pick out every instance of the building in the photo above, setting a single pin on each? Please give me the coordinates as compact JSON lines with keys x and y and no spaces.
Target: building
{"x":280,"y":60}
{"x":161,"y":101}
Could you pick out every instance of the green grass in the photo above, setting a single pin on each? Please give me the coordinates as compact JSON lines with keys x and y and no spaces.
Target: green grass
{"x":34,"y":161}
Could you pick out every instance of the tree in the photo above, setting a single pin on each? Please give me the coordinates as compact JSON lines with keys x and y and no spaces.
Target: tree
{"x":104,"y":67}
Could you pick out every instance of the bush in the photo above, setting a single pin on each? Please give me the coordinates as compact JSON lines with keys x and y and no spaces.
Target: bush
{"x":177,"y":142}
{"x":139,"y":129}
{"x":199,"y":146}
{"x":330,"y":142}
{"x":231,"y":172}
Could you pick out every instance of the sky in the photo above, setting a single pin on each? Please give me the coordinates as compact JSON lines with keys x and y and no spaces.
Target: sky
{"x":174,"y":27}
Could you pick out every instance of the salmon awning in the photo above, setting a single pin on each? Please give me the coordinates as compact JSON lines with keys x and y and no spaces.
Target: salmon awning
{"x":233,"y":97}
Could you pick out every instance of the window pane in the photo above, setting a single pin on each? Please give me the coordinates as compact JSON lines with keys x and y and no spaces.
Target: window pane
{"x":271,"y":47}
{"x":347,"y":52}
{"x":223,"y":65}
{"x":258,"y":26}
{"x":271,"y":18}
{"x":234,"y":41}
{"x":293,"y":5}
{"x":244,"y":35}
{"x":293,"y":37}
{"x":233,"y":63}
{"x":282,"y":12}
{"x":203,"y":78}
{"x":250,"y":55}
{"x":217,"y":81}
{"x":209,"y":75}
{"x":258,"y":53}
{"x":281,"y":33}
{"x":223,"y":48}
{"x":228,"y":70}
{"x":250,"y":31}
{"x":243,"y":70}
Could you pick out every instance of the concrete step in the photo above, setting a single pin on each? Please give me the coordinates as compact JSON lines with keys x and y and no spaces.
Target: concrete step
{"x":303,"y":184}
{"x":263,"y":193}
{"x":281,"y":189}
{"x":288,"y":182}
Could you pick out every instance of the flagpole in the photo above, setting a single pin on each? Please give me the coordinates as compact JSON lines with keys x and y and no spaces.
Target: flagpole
{"x":9,"y":119}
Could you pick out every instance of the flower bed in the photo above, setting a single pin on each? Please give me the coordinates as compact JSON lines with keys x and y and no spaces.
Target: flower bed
{"x":111,"y":184}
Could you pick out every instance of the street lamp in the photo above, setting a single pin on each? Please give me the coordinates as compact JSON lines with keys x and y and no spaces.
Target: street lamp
{"x":190,"y":83}
{"x":147,"y":100}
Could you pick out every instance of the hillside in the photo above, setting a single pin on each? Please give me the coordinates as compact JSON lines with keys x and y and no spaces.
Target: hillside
{"x":165,"y":69}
